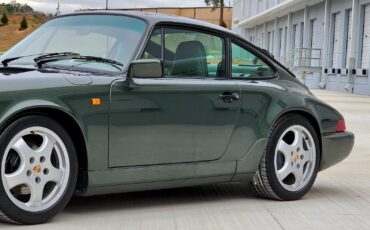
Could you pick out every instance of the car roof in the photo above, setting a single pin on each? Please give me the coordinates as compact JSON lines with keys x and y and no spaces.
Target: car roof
{"x":154,"y":18}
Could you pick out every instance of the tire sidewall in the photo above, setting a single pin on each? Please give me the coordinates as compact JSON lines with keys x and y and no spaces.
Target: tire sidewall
{"x":7,"y":207}
{"x":280,"y":128}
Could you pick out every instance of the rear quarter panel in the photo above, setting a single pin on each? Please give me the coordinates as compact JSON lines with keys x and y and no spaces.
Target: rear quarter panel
{"x":262,"y":104}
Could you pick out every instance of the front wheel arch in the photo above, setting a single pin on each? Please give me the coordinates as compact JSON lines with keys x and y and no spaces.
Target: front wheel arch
{"x":72,"y":128}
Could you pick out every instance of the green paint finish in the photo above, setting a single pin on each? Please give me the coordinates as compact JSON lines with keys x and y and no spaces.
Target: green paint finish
{"x":169,"y":132}
{"x":165,"y":121}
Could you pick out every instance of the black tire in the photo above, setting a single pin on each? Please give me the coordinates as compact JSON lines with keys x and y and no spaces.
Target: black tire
{"x":10,"y":212}
{"x":265,"y":182}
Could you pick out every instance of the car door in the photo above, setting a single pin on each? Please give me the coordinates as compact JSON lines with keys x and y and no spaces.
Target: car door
{"x":186,"y":116}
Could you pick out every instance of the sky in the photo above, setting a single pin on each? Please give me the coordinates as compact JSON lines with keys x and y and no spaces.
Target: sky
{"x":67,"y":6}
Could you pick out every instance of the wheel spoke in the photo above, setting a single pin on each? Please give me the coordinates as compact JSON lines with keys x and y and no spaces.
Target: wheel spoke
{"x":298,"y":139}
{"x":284,"y":172}
{"x":17,"y":178}
{"x":298,"y":174}
{"x":284,"y":148}
{"x":37,"y":191}
{"x":307,"y":155}
{"x":55,"y":175}
{"x":22,"y":148}
{"x":47,"y":146}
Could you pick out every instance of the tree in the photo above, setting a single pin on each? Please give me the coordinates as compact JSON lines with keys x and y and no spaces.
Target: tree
{"x":218,"y":4}
{"x":4,"y":19}
{"x":24,"y":24}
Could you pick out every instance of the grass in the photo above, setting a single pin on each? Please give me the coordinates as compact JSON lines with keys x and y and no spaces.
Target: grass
{"x":11,"y":35}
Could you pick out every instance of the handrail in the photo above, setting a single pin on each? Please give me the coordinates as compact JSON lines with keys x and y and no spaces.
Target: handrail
{"x":302,"y":57}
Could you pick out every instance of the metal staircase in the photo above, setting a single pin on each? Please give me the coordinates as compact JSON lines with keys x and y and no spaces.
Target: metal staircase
{"x":303,"y":61}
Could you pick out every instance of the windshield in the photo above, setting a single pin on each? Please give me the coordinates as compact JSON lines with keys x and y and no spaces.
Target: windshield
{"x":106,"y":36}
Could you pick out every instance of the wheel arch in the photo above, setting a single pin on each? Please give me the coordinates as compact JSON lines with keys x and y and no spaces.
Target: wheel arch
{"x":72,"y":127}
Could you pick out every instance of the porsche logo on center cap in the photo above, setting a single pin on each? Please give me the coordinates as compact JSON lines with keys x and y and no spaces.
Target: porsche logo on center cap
{"x":37,"y":169}
{"x":296,"y":158}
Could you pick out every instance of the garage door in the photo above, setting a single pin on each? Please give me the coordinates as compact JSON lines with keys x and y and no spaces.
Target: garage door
{"x":366,"y":39}
{"x":336,"y":33}
{"x":349,"y":34}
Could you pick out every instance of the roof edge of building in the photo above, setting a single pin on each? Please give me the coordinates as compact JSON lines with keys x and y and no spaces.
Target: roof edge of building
{"x":277,"y":11}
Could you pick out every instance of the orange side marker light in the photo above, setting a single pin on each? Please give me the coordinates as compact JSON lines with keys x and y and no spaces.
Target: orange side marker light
{"x":95,"y":101}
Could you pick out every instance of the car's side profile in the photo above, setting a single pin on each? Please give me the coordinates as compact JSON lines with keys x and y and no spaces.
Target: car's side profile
{"x":108,"y":102}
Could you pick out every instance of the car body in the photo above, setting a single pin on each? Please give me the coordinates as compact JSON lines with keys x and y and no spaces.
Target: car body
{"x":169,"y":131}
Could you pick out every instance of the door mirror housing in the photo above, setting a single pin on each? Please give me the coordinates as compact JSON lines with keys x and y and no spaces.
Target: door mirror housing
{"x":144,"y":68}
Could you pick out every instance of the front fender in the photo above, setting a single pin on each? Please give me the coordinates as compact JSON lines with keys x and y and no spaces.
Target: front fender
{"x":14,"y":109}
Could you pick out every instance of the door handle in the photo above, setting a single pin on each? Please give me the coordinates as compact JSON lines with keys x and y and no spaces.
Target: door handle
{"x":229,"y":97}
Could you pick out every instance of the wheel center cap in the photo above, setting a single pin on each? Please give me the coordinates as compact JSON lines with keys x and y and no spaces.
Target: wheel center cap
{"x":295,"y":158}
{"x":37,"y":169}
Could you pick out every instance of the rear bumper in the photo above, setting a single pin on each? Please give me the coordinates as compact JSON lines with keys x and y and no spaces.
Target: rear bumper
{"x":335,"y":148}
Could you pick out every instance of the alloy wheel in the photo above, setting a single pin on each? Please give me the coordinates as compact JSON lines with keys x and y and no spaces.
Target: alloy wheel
{"x":295,"y":158}
{"x":35,"y":169}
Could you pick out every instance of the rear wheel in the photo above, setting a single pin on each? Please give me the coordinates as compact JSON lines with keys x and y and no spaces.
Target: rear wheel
{"x":38,"y":170}
{"x":289,"y":165}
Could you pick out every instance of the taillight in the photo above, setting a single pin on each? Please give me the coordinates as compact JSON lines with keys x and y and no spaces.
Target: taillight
{"x":341,"y":126}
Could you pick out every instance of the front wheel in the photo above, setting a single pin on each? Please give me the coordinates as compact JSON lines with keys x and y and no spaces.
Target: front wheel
{"x":38,"y":170}
{"x":290,"y":162}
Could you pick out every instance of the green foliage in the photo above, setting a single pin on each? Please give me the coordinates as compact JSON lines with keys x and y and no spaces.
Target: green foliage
{"x":215,"y":3}
{"x":4,"y":19}
{"x":17,"y":8}
{"x":24,"y":24}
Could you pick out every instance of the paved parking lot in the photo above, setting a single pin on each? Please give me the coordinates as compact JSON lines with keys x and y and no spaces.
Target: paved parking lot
{"x":340,"y":198}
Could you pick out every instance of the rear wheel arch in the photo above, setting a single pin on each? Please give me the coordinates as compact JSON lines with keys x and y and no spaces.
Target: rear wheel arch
{"x":73,"y":129}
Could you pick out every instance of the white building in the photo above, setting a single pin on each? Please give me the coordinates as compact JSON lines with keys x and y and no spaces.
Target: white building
{"x":314,"y":38}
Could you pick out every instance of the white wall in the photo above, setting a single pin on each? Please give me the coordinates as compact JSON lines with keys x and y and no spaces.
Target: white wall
{"x":316,"y":12}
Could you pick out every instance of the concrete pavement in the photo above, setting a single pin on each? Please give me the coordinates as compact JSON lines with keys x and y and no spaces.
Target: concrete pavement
{"x":340,"y":198}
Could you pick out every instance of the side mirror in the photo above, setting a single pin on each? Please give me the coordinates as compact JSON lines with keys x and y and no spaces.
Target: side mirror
{"x":144,"y":68}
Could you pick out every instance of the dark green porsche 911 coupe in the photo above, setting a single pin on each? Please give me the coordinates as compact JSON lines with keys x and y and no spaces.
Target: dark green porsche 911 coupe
{"x":105,"y":102}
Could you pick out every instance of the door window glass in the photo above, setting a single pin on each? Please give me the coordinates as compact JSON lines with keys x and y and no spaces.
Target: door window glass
{"x":153,"y":49}
{"x":247,"y":65}
{"x":193,"y":54}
